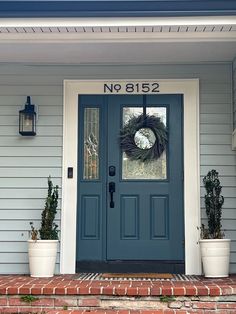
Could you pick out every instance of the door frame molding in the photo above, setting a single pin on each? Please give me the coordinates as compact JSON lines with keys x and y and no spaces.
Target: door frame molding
{"x":190,"y":90}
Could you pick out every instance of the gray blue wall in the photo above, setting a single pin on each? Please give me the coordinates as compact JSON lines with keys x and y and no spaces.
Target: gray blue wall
{"x":25,"y":163}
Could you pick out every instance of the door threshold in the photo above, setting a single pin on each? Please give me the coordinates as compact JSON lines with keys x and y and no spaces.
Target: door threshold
{"x":121,"y":266}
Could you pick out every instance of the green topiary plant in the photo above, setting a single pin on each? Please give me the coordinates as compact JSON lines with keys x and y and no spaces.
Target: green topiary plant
{"x":213,"y":203}
{"x":48,"y":230}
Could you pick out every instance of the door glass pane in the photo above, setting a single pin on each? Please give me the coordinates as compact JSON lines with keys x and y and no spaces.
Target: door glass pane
{"x":138,"y":170}
{"x":91,"y":144}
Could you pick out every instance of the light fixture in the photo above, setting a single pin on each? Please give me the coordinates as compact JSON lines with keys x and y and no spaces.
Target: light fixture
{"x":27,"y":119}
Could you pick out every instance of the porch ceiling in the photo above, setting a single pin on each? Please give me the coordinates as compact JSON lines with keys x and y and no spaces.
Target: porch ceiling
{"x":124,"y":40}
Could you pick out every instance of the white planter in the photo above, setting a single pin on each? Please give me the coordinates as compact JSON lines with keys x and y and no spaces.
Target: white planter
{"x":215,"y":257}
{"x":42,"y":257}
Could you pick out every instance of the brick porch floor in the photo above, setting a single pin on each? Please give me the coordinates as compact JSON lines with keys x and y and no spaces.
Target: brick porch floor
{"x":67,"y":293}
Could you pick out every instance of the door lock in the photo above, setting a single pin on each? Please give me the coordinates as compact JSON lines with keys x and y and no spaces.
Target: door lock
{"x":112,"y":171}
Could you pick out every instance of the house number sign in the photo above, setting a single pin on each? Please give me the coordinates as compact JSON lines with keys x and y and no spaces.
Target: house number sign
{"x":131,"y":88}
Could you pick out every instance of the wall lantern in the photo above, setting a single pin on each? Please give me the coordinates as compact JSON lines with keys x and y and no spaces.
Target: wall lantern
{"x":27,"y":119}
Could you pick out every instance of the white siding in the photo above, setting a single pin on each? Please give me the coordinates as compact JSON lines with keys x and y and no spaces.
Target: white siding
{"x":25,"y":163}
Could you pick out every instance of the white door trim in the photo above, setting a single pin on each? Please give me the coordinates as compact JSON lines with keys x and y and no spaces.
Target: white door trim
{"x":190,"y":90}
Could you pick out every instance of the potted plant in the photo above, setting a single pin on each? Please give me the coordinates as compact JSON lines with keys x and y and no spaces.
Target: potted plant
{"x":43,"y":243}
{"x":215,"y":250}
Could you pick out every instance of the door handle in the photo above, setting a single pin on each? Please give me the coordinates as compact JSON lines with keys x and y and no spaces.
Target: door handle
{"x":112,"y":189}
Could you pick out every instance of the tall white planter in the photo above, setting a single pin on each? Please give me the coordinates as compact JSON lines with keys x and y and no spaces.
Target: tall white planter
{"x":42,"y":257}
{"x":215,"y":257}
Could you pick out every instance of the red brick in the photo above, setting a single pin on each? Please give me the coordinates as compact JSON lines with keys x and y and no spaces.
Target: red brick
{"x":135,"y":284}
{"x":201,"y":290}
{"x":11,"y":310}
{"x":36,"y":291}
{"x":61,"y":301}
{"x":179,"y":291}
{"x":190,"y":290}
{"x":30,"y":310}
{"x":214,"y":291}
{"x":93,"y":302}
{"x":217,"y":312}
{"x":131,"y":291}
{"x":107,"y":290}
{"x":226,"y":290}
{"x":63,"y":312}
{"x":97,"y":283}
{"x":60,"y":290}
{"x":3,"y":301}
{"x":3,"y":291}
{"x":233,"y":286}
{"x":120,"y":291}
{"x":226,"y":306}
{"x":12,"y":290}
{"x":142,"y":291}
{"x":151,"y":311}
{"x":196,"y":312}
{"x":48,"y":290}
{"x":24,"y":290}
{"x":16,"y":301}
{"x":96,"y":311}
{"x":166,"y":291}
{"x":95,"y":290}
{"x":72,"y":290}
{"x":83,"y":290}
{"x":204,"y":305}
{"x":155,"y":291}
{"x":47,"y":302}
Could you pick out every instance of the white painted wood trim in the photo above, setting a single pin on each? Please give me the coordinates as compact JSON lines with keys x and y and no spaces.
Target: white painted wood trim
{"x":10,"y":35}
{"x":190,"y":90}
{"x":117,"y":37}
{"x":69,"y":186}
{"x":116,"y":21}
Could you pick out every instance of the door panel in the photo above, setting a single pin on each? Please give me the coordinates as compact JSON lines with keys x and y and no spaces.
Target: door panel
{"x":146,"y":220}
{"x":159,"y":217}
{"x":91,"y":184}
{"x":129,"y":214}
{"x":150,"y":210}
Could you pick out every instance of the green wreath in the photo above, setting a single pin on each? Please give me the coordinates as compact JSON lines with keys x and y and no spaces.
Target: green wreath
{"x":127,"y":138}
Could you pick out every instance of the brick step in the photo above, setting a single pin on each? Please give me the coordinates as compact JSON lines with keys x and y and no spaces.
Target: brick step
{"x":117,"y":304}
{"x":108,"y":311}
{"x":67,"y":294}
{"x":70,"y":285}
{"x":140,"y":312}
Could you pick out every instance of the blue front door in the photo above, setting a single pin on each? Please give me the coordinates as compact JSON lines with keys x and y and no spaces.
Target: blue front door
{"x":129,"y":210}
